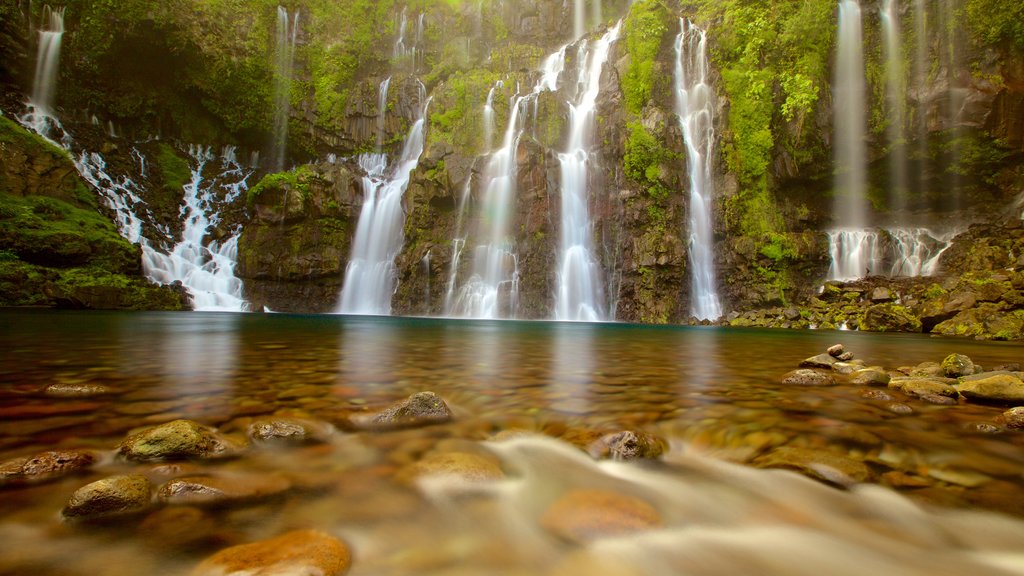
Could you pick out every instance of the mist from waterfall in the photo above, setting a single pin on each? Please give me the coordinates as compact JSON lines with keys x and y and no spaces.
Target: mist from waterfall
{"x":695,"y":109}
{"x":580,"y":290}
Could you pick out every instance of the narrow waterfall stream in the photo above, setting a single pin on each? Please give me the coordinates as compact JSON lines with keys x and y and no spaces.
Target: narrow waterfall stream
{"x":370,"y":274}
{"x":895,"y":94}
{"x":695,"y":108}
{"x":287,"y":36}
{"x":849,"y":95}
{"x":44,"y":83}
{"x":580,"y":292}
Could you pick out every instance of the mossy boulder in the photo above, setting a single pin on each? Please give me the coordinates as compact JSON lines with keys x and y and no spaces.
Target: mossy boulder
{"x":956,"y":365}
{"x":109,"y":497}
{"x":176,"y":440}
{"x":999,"y":389}
{"x":889,"y":318}
{"x":985,"y":322}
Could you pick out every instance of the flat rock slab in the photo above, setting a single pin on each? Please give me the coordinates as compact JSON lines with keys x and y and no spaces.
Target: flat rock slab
{"x":44,"y":466}
{"x":821,"y":465}
{"x":222,"y":490}
{"x":870,"y":377}
{"x":921,"y":387}
{"x":1000,"y":389}
{"x":109,"y":497}
{"x":585,"y":515}
{"x":820,"y":361}
{"x":808,"y":377}
{"x":299,"y":552}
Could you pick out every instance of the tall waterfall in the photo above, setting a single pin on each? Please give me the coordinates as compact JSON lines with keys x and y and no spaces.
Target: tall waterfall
{"x":382,"y":107}
{"x":489,"y":116}
{"x":493,"y":286}
{"x":895,"y":95}
{"x":580,"y":294}
{"x":695,"y":107}
{"x":370,"y":274}
{"x":287,"y":35}
{"x":849,"y":96}
{"x":579,"y":19}
{"x":44,"y":83}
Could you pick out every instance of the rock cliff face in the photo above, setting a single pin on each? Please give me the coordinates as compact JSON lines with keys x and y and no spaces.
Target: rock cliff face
{"x":771,"y":68}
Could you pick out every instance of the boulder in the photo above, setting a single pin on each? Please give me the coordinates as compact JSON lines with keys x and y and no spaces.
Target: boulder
{"x":417,"y":410}
{"x":44,"y":466}
{"x":869,"y":377}
{"x":1000,"y":389}
{"x":222,"y":490}
{"x":177,"y":440}
{"x":289,"y":430}
{"x":584,"y":515}
{"x":820,"y":361}
{"x":1013,"y":418}
{"x":809,"y":377}
{"x":836,"y":350}
{"x":298,"y":552}
{"x":818,"y":464}
{"x":919,"y":387}
{"x":957,"y":365}
{"x":889,"y":318}
{"x":109,"y":497}
{"x":881,"y":294}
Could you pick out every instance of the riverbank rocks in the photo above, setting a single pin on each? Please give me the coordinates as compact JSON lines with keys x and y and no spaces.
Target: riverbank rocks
{"x":824,"y":361}
{"x":44,"y":466}
{"x":420,"y":409}
{"x":177,"y":440}
{"x":1013,"y":418}
{"x":825,"y":466}
{"x":957,"y":365}
{"x":999,"y":388}
{"x":110,"y":497}
{"x":870,"y":377}
{"x":222,"y":490}
{"x":923,"y":387}
{"x":808,"y":377}
{"x":889,"y":318}
{"x":300,"y":552}
{"x":585,"y":515}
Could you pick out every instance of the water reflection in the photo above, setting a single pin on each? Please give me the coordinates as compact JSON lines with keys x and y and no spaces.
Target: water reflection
{"x":572,"y":367}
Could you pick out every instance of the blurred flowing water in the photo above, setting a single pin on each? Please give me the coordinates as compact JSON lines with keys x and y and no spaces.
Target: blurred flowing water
{"x":712,"y":394}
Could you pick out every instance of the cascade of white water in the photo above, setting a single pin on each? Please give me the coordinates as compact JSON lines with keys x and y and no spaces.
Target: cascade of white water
{"x":370,"y":274}
{"x":399,"y":50}
{"x":287,"y":36}
{"x":894,"y":252}
{"x":895,"y":93}
{"x":44,"y":83}
{"x":695,"y":108}
{"x":578,"y":19}
{"x":580,"y":294}
{"x":849,"y":94}
{"x":489,"y":116}
{"x":382,"y":107}
{"x":458,"y":243}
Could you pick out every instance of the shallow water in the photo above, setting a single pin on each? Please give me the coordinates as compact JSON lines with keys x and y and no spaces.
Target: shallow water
{"x":711,"y":393}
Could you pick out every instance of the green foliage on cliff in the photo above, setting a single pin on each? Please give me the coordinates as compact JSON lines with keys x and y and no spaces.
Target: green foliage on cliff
{"x":645,"y":28}
{"x":174,"y":169}
{"x":456,"y":116}
{"x":296,"y":180}
{"x":997,"y":22}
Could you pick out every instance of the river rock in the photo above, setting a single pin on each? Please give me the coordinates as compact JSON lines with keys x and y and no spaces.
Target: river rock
{"x":75,"y":390}
{"x":835,"y":350}
{"x":918,"y":387}
{"x":869,"y":377}
{"x":957,"y":365}
{"x":113,"y":496}
{"x":820,"y":361}
{"x":926,"y":369}
{"x":222,"y":490}
{"x":808,"y":377}
{"x":1001,"y":388}
{"x":584,"y":515}
{"x":1013,"y":418}
{"x":626,"y":445}
{"x":44,"y":466}
{"x":458,"y":465}
{"x":416,"y":410}
{"x":845,"y":357}
{"x":822,"y":465}
{"x":179,"y":439}
{"x":289,"y":430}
{"x":306,"y":552}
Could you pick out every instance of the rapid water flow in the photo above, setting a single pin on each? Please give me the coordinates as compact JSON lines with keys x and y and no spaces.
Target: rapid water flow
{"x":895,"y":94}
{"x":287,"y":36}
{"x":893,"y":253}
{"x":370,"y":274}
{"x":849,"y":97}
{"x":489,"y":116}
{"x":580,"y":293}
{"x":695,"y":108}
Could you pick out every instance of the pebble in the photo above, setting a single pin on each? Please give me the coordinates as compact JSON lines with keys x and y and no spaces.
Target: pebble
{"x":306,"y":552}
{"x":113,"y":496}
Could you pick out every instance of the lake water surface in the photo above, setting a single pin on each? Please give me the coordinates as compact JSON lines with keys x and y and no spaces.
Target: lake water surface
{"x":945,"y":495}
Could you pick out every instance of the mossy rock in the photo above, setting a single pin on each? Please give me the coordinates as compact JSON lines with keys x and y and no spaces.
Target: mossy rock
{"x":889,"y":318}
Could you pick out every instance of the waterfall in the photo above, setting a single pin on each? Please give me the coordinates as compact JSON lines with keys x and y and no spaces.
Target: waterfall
{"x":489,"y":116}
{"x":370,"y":274}
{"x":695,"y":107}
{"x":580,"y":292}
{"x":401,"y":49}
{"x":287,"y":34}
{"x":204,"y":266}
{"x":849,"y":95}
{"x":892,"y":253}
{"x":44,"y":84}
{"x":895,"y":93}
{"x":492,"y":289}
{"x":920,"y":81}
{"x":382,"y":107}
{"x":578,"y":19}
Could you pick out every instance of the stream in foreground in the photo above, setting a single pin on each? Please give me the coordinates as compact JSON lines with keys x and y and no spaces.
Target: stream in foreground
{"x":943,"y":489}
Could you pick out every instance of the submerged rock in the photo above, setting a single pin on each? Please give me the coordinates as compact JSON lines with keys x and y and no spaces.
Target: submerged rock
{"x":626,"y":445}
{"x":290,"y":430}
{"x":300,"y":552}
{"x":417,"y":410}
{"x":222,"y":490}
{"x":957,"y":365}
{"x":1013,"y":418}
{"x":79,"y":390}
{"x":44,"y":466}
{"x":180,"y":439}
{"x":818,"y":464}
{"x":585,"y":515}
{"x":808,"y":377}
{"x":458,"y":465}
{"x":1000,"y":388}
{"x":114,"y":496}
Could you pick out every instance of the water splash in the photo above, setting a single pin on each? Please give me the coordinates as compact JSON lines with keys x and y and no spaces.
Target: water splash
{"x":580,"y":294}
{"x":895,"y":252}
{"x":370,"y":274}
{"x":695,"y":108}
{"x":287,"y":36}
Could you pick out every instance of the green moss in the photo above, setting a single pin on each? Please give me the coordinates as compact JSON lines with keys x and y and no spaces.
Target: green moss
{"x":996,"y":22}
{"x":455,"y":116}
{"x":173,"y":168}
{"x":645,"y":28}
{"x":296,"y":180}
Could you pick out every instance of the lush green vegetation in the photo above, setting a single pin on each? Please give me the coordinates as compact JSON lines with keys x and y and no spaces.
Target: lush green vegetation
{"x":296,"y":180}
{"x":645,"y":29}
{"x":997,"y":22}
